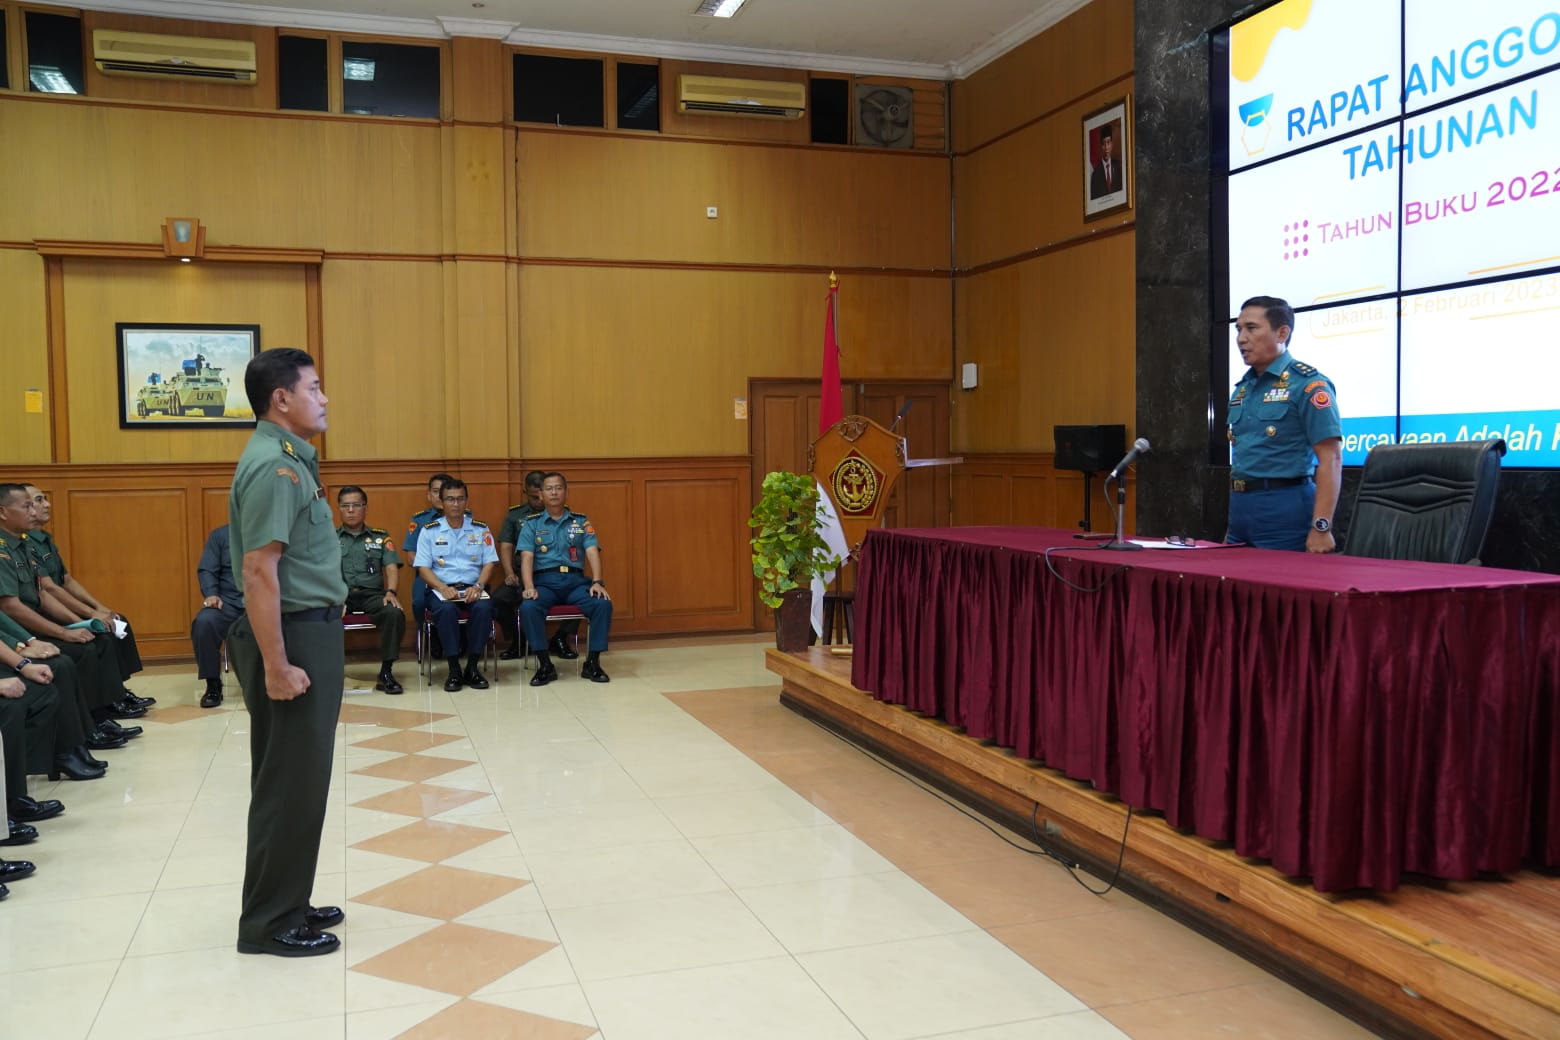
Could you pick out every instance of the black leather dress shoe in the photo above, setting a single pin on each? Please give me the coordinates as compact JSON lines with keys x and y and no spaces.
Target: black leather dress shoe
{"x":114,"y":729}
{"x":139,"y":702}
{"x":302,"y":941}
{"x":387,"y":684}
{"x":510,"y":652}
{"x":123,"y":709}
{"x":212,"y":698}
{"x":97,"y":740}
{"x":4,"y":891}
{"x":86,"y":756}
{"x":452,"y":682}
{"x":29,"y":810}
{"x":74,"y":765}
{"x":475,"y":679}
{"x":593,"y":672}
{"x":559,"y":647}
{"x":15,"y":870}
{"x":19,"y":833}
{"x":544,"y":674}
{"x":324,"y":916}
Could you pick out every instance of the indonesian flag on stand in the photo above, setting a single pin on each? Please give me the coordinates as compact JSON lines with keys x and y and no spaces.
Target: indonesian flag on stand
{"x":831,"y":409}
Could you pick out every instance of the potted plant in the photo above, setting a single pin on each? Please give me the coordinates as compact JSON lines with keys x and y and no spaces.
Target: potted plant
{"x":788,"y":552}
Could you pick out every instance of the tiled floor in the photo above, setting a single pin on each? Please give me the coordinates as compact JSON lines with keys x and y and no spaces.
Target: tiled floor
{"x":671,"y":855}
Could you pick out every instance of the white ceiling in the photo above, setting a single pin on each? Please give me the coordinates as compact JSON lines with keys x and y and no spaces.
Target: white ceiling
{"x":936,"y":39}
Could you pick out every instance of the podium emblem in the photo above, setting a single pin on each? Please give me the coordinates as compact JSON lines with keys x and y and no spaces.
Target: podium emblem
{"x":855,"y":485}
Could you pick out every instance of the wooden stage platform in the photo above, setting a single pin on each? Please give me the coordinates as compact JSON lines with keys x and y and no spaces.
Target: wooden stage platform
{"x":1471,"y":960}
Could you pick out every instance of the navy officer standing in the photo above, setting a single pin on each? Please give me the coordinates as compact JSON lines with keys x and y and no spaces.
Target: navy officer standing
{"x":1283,"y":428}
{"x":455,"y":556}
{"x":555,"y":545}
{"x":287,"y":653}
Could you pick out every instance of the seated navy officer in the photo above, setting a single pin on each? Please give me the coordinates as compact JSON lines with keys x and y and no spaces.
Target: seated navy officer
{"x":506,"y":598}
{"x":555,"y":547}
{"x":455,"y":557}
{"x":64,"y":587}
{"x":420,"y":519}
{"x":221,"y":604}
{"x":371,"y":568}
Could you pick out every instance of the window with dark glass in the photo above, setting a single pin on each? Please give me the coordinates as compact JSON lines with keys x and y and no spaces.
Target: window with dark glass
{"x":829,"y":110}
{"x":638,"y":96}
{"x":559,"y":91}
{"x":303,"y":79}
{"x":390,"y":79}
{"x":54,"y":54}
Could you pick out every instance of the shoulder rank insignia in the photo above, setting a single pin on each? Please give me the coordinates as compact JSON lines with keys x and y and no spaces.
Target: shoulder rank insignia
{"x":477,"y":523}
{"x":522,"y":505}
{"x":434,"y":523}
{"x":377,"y":530}
{"x":1303,"y":368}
{"x":288,"y":448}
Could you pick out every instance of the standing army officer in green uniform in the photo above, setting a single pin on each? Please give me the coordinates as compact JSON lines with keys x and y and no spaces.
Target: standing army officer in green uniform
{"x":287,"y":653}
{"x":371,"y":568}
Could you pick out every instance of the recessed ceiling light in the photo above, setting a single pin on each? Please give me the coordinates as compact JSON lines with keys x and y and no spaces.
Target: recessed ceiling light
{"x":719,"y":8}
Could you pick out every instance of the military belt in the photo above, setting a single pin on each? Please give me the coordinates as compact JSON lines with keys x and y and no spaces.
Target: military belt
{"x":331,"y":613}
{"x":1241,"y":484}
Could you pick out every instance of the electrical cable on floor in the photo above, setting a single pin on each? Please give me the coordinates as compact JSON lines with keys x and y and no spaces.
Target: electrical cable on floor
{"x":1040,"y":849}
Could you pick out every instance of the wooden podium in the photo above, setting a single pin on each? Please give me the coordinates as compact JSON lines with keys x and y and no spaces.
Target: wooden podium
{"x":858,"y":462}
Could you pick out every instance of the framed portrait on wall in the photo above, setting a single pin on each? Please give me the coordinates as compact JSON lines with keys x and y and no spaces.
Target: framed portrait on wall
{"x":1107,"y":159}
{"x":173,"y":375}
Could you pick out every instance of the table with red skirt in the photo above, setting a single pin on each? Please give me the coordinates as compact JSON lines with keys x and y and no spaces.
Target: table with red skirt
{"x":1348,"y":719}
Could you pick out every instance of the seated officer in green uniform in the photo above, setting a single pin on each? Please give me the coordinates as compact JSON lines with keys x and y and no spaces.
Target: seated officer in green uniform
{"x":555,"y":547}
{"x":73,"y":595}
{"x":60,"y":746}
{"x":287,"y":654}
{"x":22,"y":600}
{"x":371,"y":568}
{"x":1283,"y":427}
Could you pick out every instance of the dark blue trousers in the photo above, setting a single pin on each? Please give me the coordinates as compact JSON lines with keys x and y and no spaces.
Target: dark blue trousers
{"x":1275,"y":519}
{"x":446,"y":621}
{"x":554,"y":587}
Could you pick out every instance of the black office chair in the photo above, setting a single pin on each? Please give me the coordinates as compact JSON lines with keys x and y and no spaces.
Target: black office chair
{"x":1429,"y":502}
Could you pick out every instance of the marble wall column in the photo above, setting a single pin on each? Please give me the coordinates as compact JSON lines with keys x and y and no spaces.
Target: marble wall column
{"x":1180,"y":490}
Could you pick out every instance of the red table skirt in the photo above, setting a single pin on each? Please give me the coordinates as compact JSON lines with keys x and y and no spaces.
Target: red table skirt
{"x":1347,"y":719}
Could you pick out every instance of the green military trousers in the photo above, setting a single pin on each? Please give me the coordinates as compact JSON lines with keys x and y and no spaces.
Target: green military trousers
{"x":291,"y":744}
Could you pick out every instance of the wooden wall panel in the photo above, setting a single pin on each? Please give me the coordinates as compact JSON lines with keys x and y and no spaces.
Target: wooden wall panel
{"x":659,"y":355}
{"x":1026,"y":190}
{"x":24,"y":436}
{"x":1056,"y":344}
{"x":1088,"y":48}
{"x":385,"y":361}
{"x":687,"y":526}
{"x":144,"y":586}
{"x":99,"y":293}
{"x":477,"y":189}
{"x":116,"y":173}
{"x":1024,"y":490}
{"x":480,"y":362}
{"x":615,"y":508}
{"x":213,"y":513}
{"x":644,"y":199}
{"x":478,"y":76}
{"x":262,"y":94}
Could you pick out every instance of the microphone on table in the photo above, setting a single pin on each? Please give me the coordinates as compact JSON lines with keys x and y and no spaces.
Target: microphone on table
{"x":1139,"y":447}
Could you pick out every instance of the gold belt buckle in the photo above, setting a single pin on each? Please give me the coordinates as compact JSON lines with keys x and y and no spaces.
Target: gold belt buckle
{"x":1238,"y":485}
{"x":563,"y":570}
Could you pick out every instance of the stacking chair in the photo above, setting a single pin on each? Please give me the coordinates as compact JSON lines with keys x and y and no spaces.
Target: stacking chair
{"x":559,"y":612}
{"x":425,"y":662}
{"x":1430,"y":502}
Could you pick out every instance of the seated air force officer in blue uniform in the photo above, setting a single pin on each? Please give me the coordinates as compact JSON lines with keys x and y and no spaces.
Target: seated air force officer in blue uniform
{"x":455,"y":557}
{"x":1283,"y":427}
{"x":555,"y":546}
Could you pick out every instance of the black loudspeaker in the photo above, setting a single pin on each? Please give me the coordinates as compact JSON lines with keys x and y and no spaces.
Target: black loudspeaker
{"x":1090,"y":449}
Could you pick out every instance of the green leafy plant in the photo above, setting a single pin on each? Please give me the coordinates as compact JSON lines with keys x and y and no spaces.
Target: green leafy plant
{"x":788,"y":551}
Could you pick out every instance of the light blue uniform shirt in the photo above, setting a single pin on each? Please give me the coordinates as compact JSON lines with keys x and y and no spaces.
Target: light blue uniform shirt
{"x":455,"y":554}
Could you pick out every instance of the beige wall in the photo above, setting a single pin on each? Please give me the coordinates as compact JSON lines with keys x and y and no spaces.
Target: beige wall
{"x":1045,"y":299}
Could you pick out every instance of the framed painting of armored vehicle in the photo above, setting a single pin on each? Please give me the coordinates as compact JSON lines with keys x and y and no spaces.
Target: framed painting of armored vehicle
{"x":184,"y":375}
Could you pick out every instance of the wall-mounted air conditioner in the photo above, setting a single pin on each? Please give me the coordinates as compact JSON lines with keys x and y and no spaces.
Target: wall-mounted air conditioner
{"x":149,"y":55}
{"x":765,"y":98}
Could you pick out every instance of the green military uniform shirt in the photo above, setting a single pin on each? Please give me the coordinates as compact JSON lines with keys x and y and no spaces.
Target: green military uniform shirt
{"x":50,"y":564}
{"x":18,"y":571}
{"x":518,"y":515}
{"x":277,"y":497}
{"x":365,"y":555}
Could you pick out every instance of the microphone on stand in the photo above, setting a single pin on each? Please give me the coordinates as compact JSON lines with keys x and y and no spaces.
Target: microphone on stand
{"x":1140,"y":447}
{"x":901,"y":416}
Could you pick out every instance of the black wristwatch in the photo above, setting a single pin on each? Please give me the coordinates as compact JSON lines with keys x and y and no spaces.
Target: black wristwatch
{"x":1322,"y":524}
{"x":598,"y":581}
